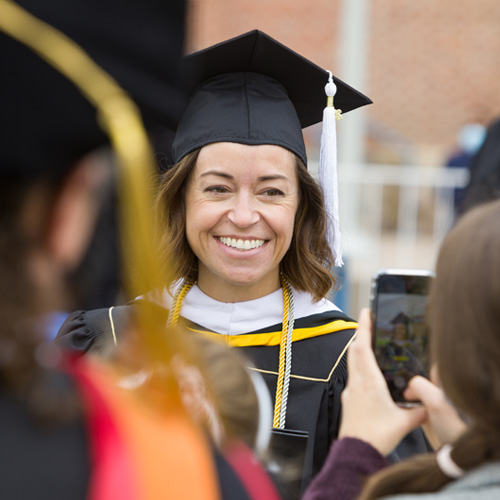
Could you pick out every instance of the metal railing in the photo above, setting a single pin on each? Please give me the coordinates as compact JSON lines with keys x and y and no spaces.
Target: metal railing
{"x":392,"y":216}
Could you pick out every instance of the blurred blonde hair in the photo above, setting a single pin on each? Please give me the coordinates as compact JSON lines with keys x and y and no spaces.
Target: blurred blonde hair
{"x":230,"y":388}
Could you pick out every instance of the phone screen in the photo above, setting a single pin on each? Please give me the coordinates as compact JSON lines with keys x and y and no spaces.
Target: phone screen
{"x":401,"y":334}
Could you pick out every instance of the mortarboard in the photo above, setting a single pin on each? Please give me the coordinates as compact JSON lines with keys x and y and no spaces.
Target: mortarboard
{"x":254,"y":90}
{"x":400,"y":318}
{"x":46,"y":123}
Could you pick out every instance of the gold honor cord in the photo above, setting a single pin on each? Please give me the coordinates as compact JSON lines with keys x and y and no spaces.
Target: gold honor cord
{"x":120,"y":119}
{"x":282,"y":356}
{"x":285,"y":352}
{"x":173,"y":316}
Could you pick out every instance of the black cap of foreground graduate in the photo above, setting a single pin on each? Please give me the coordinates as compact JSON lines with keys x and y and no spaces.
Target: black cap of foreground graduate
{"x":45,"y":123}
{"x":254,"y":90}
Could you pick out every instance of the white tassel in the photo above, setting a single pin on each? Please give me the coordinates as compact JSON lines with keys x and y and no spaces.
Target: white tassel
{"x":328,"y":171}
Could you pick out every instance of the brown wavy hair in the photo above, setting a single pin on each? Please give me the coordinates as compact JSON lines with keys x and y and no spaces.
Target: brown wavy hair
{"x":464,"y":316}
{"x":308,"y":262}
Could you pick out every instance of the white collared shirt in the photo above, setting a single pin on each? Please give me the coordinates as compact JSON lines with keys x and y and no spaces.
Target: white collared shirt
{"x":236,"y":318}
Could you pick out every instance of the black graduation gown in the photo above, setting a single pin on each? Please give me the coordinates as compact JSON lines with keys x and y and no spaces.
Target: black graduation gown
{"x":319,"y":369}
{"x":318,"y":376}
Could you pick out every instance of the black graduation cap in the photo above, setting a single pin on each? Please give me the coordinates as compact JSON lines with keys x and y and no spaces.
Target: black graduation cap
{"x":401,"y":317}
{"x":253,"y":90}
{"x":46,"y":124}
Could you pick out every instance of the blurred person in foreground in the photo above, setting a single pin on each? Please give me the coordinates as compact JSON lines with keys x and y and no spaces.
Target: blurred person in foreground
{"x":464,"y":318}
{"x":70,"y":428}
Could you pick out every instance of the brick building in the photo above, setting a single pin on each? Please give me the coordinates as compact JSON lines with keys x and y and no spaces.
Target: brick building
{"x":432,"y":66}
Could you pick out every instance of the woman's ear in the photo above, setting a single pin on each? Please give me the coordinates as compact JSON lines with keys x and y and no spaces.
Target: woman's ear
{"x":73,"y":215}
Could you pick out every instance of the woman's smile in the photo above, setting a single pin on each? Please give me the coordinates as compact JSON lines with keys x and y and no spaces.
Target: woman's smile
{"x":240,"y":212}
{"x":241,"y":244}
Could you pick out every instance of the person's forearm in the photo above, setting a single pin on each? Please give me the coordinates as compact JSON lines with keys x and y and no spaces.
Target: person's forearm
{"x":348,"y":463}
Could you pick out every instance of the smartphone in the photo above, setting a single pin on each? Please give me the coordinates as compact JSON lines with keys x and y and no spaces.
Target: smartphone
{"x":400,"y":332}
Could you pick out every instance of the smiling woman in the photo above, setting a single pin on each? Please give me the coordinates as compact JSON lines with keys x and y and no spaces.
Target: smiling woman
{"x":244,"y":227}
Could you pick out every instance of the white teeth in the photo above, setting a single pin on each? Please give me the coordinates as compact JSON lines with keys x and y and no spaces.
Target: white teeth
{"x":241,"y":244}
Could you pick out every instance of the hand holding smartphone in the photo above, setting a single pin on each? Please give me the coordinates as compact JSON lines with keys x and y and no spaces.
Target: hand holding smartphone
{"x":400,"y":333}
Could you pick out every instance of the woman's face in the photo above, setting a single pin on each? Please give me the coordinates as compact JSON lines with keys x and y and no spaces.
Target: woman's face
{"x":400,"y":331}
{"x":240,"y":208}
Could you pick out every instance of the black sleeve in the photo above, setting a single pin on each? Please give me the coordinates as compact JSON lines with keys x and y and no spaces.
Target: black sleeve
{"x":336,"y":386}
{"x":98,"y":330}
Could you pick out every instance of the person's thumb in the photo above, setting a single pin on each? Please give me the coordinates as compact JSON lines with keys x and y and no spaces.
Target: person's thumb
{"x":421,"y":389}
{"x":414,"y":417}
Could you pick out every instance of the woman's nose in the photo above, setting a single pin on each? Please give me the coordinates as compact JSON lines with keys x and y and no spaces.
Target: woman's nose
{"x":243,"y":213}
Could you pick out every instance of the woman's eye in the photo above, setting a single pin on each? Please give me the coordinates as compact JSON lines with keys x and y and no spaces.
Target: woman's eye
{"x":217,"y":189}
{"x":273,"y":192}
